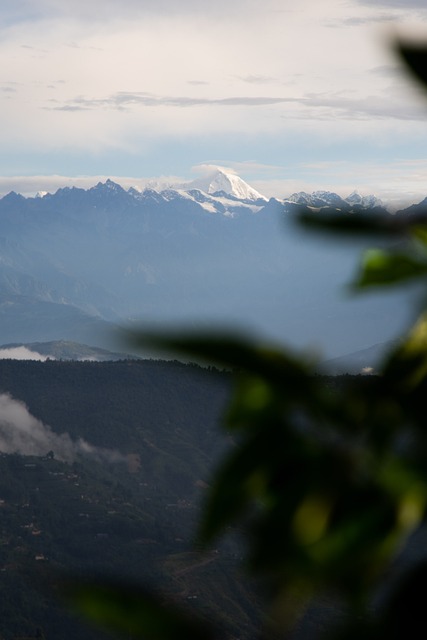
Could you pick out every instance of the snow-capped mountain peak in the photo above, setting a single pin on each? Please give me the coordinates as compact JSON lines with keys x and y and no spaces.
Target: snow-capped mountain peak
{"x":230,"y":184}
{"x":365,"y":201}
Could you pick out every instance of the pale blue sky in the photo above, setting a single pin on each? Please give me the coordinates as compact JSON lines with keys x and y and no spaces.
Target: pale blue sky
{"x":290,"y":95}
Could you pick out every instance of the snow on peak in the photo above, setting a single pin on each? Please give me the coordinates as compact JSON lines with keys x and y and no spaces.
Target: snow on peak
{"x":365,"y":201}
{"x":319,"y":199}
{"x":228,"y":183}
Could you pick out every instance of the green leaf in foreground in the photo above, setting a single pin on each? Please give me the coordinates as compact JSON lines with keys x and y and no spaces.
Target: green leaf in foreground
{"x":407,"y":365}
{"x":381,"y":268}
{"x":134,"y":612}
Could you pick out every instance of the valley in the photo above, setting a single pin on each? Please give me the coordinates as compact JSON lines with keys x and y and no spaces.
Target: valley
{"x":132,"y":519}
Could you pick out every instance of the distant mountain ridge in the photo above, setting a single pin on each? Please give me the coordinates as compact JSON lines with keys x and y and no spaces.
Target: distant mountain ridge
{"x":77,"y":264}
{"x":366,"y":361}
{"x":320,"y":199}
{"x":219,"y":190}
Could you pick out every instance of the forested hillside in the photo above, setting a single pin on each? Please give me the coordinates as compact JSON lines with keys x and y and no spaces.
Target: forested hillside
{"x":126,"y":505}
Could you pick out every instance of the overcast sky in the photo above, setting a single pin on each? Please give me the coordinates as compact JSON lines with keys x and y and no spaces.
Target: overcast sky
{"x":289,"y":94}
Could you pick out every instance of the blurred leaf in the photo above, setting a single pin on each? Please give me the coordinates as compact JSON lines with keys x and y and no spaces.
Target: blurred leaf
{"x":419,"y":232}
{"x":381,"y":268}
{"x":415,"y":57}
{"x":371,"y":224}
{"x":233,"y":489}
{"x":133,"y":612}
{"x":254,"y":401}
{"x":276,"y":366}
{"x":355,"y":224}
{"x":225,"y":349}
{"x":311,"y":519}
{"x":407,"y":365}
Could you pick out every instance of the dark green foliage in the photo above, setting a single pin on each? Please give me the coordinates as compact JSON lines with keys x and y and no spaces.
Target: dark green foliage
{"x":381,"y":268}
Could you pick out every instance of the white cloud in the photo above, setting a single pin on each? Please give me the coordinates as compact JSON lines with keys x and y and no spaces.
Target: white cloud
{"x":157,"y":56}
{"x":21,"y":353}
{"x":21,"y":432}
{"x":206,"y":169}
{"x":129,"y":77}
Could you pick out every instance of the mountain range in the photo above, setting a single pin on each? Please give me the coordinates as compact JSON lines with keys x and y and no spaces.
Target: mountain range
{"x":77,"y":264}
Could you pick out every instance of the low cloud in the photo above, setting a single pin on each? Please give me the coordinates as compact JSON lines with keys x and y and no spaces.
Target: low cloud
{"x":198,"y":83}
{"x":205,"y":169}
{"x":386,"y":71}
{"x":22,"y":353}
{"x":123,"y":100}
{"x":246,"y":167}
{"x":256,"y":79}
{"x":21,"y":432}
{"x":358,"y":21}
{"x":334,"y":105}
{"x":369,"y":108}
